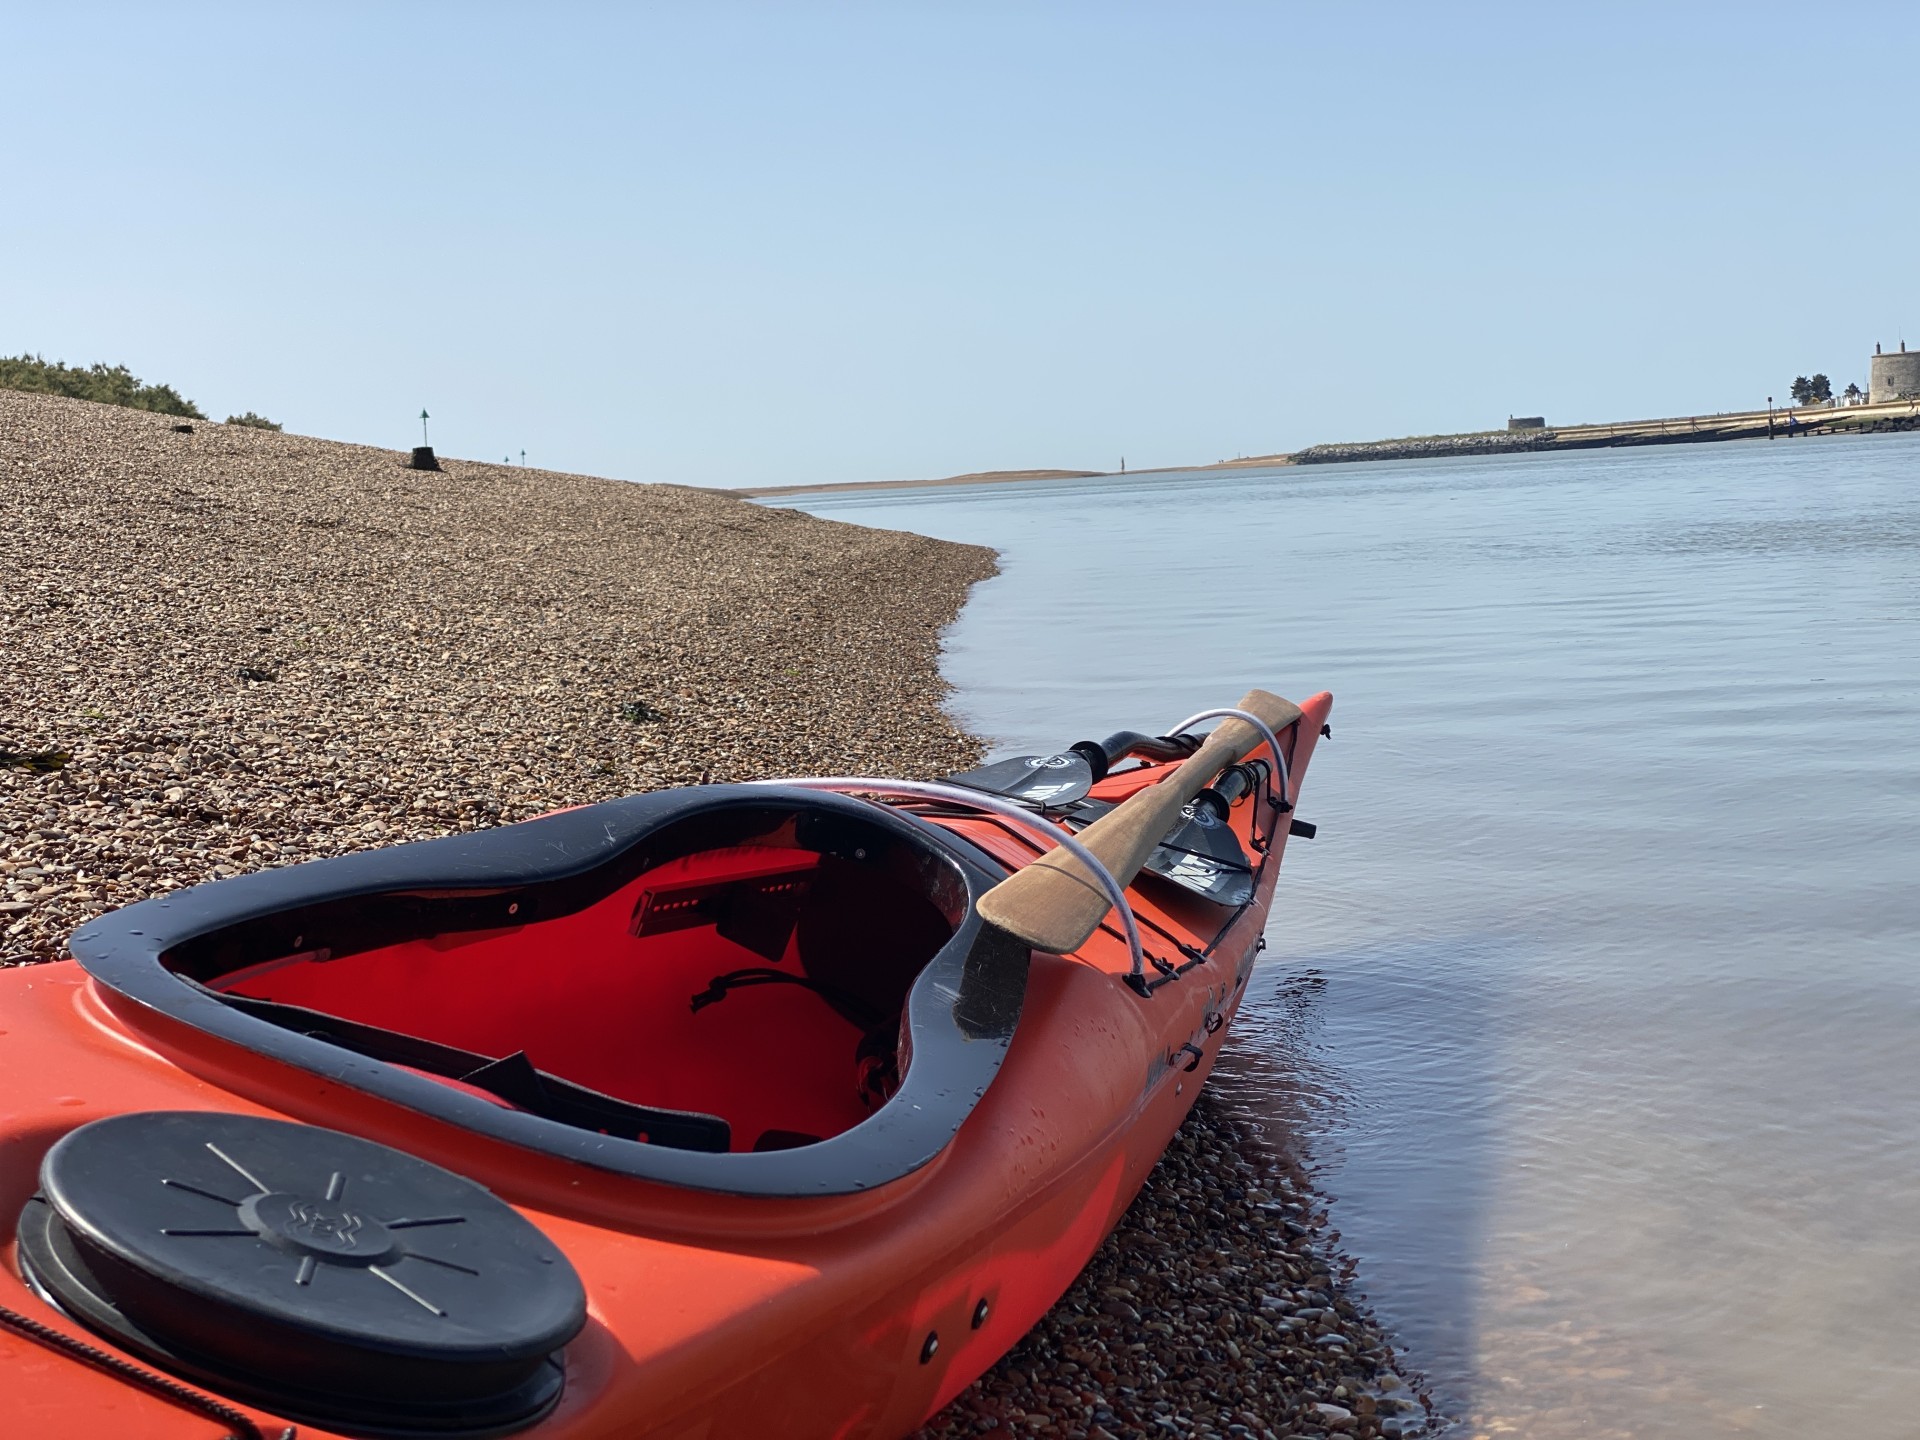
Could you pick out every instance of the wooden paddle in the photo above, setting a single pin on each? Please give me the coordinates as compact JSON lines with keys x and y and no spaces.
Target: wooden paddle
{"x":1054,"y":904}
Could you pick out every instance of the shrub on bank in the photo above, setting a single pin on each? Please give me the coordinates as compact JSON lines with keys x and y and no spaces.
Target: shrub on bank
{"x":253,"y":421}
{"x":107,"y":384}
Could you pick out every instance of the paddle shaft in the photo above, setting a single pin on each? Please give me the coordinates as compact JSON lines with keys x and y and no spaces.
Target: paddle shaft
{"x":1053,"y":904}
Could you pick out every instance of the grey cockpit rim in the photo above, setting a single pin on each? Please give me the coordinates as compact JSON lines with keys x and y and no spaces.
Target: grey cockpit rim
{"x":960,"y":1012}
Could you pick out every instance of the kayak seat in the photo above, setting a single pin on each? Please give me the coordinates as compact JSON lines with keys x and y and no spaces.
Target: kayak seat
{"x":512,"y":1079}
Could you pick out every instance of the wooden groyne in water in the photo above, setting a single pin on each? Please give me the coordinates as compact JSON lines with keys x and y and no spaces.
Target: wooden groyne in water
{"x":1778,"y":424}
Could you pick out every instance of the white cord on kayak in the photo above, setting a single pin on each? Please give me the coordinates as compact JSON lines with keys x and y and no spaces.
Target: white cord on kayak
{"x":1006,"y":810}
{"x":1266,"y":733}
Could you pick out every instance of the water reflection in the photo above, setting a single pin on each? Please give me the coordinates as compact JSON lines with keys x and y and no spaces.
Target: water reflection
{"x":1363,"y":1136}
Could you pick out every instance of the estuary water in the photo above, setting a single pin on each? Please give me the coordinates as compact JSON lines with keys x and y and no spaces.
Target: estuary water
{"x":1596,"y":1003}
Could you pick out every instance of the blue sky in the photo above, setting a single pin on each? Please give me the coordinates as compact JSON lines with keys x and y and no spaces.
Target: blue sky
{"x":732,"y":244}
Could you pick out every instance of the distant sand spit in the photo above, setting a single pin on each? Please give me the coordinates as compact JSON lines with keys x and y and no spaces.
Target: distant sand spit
{"x":982,"y":477}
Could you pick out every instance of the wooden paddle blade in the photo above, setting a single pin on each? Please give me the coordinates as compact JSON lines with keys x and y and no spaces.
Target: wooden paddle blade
{"x":1054,"y":904}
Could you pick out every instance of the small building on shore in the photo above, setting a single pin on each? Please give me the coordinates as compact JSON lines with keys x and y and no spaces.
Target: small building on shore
{"x":1526,"y":422}
{"x":1894,"y":376}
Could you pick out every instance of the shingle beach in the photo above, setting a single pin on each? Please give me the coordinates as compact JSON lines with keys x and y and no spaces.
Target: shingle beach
{"x":231,"y":649}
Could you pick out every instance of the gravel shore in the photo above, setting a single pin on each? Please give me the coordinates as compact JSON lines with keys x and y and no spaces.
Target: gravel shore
{"x":231,"y":649}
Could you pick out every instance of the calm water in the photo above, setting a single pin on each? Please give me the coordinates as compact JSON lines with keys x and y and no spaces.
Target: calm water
{"x":1614,"y":1072}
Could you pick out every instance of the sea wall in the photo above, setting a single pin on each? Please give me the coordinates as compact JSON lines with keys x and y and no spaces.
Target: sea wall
{"x":1782,"y":423}
{"x":1428,"y":447}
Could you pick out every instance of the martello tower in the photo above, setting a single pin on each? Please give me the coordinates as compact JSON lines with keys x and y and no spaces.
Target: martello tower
{"x":1894,"y":376}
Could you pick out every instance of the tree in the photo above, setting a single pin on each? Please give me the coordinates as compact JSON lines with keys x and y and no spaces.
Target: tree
{"x":1852,"y":392}
{"x":1802,"y":390}
{"x":1821,"y":388}
{"x":106,"y":384}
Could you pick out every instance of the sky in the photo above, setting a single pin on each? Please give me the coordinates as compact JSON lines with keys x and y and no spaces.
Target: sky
{"x":733,"y":244}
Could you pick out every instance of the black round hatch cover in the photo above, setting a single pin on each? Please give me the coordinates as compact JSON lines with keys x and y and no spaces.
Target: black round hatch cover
{"x":321,"y":1276}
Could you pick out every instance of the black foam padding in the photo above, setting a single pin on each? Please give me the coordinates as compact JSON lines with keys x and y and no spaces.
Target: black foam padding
{"x":318,"y":1275}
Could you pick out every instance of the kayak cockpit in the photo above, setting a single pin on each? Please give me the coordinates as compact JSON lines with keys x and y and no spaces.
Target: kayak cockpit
{"x":740,"y":989}
{"x":751,"y":993}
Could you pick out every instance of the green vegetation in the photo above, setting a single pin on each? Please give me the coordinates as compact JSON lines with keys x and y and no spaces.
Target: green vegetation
{"x":107,"y":384}
{"x":1816,"y":391}
{"x":253,"y":421}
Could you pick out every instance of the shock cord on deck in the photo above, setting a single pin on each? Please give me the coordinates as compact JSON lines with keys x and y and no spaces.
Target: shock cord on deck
{"x":239,"y":1426}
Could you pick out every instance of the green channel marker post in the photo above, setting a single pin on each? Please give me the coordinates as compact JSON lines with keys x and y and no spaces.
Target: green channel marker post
{"x":423,"y":457}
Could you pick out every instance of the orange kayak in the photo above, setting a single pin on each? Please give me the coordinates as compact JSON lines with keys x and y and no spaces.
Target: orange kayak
{"x":705,"y":1113}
